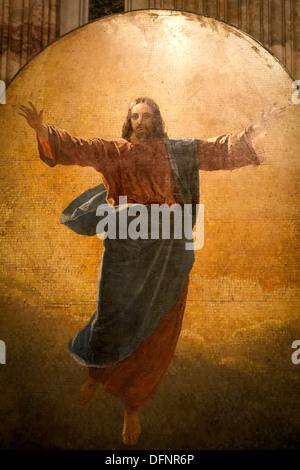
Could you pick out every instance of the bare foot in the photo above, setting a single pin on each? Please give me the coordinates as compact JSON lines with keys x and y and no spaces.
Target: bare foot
{"x":87,"y":391}
{"x":131,"y":427}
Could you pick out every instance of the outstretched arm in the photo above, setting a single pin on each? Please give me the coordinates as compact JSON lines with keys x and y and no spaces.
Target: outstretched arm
{"x":231,"y":151}
{"x":57,"y":146}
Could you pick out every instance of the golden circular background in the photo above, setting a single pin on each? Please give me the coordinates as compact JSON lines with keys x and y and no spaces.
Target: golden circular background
{"x":208,"y":79}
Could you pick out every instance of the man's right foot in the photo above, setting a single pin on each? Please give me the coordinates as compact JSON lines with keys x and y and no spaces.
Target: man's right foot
{"x":131,"y":428}
{"x":87,"y":391}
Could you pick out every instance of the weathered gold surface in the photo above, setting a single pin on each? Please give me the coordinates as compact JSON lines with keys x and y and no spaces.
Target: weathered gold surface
{"x":208,"y":78}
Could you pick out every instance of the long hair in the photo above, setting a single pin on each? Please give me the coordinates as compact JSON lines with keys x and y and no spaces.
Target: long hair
{"x":158,"y":129}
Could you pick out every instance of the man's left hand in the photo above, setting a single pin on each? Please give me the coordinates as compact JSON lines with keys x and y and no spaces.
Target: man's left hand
{"x":268,"y":119}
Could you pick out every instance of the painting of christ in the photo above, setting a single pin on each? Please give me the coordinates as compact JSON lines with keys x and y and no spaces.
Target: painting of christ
{"x":134,"y":112}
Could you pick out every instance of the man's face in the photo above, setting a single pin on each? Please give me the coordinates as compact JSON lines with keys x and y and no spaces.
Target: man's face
{"x":142,"y":122}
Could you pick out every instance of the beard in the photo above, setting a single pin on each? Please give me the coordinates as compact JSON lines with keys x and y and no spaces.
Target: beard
{"x":143,"y":133}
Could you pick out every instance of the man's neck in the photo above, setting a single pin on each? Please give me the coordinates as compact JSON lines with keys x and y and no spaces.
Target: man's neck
{"x":134,"y":139}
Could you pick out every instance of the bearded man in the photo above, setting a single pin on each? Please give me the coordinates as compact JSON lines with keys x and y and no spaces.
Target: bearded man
{"x":143,"y":284}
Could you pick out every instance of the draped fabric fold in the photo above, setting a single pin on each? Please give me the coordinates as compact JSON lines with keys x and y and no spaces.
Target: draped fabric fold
{"x":139,"y":283}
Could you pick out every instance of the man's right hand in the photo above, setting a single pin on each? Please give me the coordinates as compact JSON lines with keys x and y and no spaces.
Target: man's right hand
{"x":35,"y":120}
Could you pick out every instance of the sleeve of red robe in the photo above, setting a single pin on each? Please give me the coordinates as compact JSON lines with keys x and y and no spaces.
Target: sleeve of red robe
{"x":65,"y":149}
{"x":230,"y":151}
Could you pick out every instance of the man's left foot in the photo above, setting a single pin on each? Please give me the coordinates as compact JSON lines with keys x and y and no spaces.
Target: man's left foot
{"x":87,"y":391}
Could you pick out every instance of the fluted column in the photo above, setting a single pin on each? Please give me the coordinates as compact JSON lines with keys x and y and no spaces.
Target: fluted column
{"x":26,"y":27}
{"x":73,"y":13}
